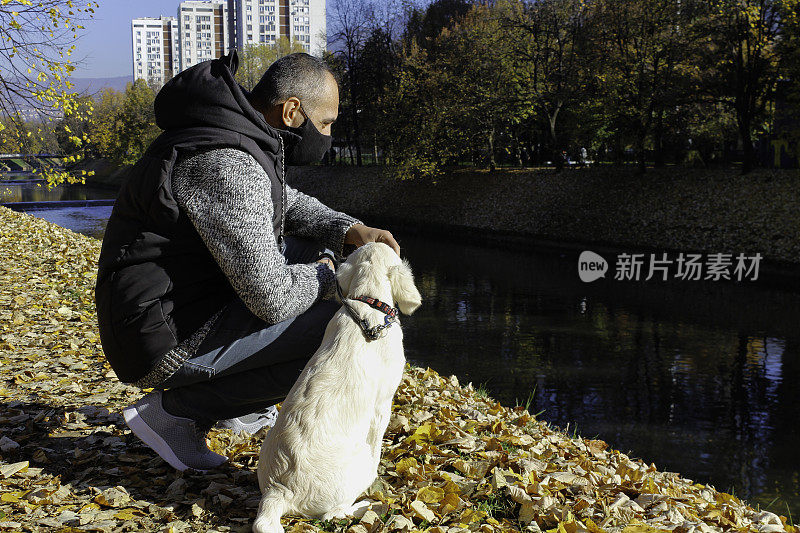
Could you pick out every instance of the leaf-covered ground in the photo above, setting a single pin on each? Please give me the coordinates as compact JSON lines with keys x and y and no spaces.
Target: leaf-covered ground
{"x":454,"y":460}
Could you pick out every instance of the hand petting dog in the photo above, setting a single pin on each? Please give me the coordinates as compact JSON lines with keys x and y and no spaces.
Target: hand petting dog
{"x":359,"y":234}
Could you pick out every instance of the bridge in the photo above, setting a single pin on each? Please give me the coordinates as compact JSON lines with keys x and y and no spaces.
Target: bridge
{"x":26,"y":163}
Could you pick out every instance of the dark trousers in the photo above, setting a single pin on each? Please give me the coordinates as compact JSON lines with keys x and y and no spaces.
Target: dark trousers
{"x":245,"y":365}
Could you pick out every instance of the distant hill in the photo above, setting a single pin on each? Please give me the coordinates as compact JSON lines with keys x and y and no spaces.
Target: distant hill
{"x":93,"y":85}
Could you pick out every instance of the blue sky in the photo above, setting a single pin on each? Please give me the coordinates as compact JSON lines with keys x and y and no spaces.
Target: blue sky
{"x":105,"y":46}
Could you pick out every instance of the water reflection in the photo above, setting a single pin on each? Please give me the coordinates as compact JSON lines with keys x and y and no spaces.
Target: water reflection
{"x":90,"y":221}
{"x":36,"y":191}
{"x":694,"y":376}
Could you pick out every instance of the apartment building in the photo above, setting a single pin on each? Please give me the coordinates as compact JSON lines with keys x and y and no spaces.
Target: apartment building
{"x":205,"y":29}
{"x":155,"y":49}
{"x":266,"y":21}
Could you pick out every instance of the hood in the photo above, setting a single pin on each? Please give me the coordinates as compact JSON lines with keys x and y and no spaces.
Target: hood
{"x":207,"y":95}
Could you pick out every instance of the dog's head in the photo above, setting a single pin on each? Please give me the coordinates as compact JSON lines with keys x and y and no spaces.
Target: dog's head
{"x":368,"y":269}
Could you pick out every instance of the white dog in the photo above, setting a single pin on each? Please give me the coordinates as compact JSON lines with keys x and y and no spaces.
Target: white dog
{"x":324,"y":449}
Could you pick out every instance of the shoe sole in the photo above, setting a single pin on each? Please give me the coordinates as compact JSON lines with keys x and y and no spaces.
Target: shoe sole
{"x":239,"y":428}
{"x":151,"y":438}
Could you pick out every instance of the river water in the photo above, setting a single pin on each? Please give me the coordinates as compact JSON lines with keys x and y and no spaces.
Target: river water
{"x":90,"y":221}
{"x":698,"y":377}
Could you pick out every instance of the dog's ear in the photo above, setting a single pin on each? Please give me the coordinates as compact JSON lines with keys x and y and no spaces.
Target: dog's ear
{"x":404,"y":291}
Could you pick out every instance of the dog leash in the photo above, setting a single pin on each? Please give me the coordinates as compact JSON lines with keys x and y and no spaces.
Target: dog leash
{"x":374,"y":332}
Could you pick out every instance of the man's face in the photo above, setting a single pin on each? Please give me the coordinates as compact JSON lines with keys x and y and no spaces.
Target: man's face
{"x":323,"y":114}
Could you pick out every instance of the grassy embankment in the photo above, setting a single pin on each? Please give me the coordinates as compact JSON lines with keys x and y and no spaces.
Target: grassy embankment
{"x":689,"y":210}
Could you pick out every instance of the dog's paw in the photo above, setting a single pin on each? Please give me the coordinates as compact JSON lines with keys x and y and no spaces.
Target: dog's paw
{"x":356,"y":510}
{"x":264,"y":525}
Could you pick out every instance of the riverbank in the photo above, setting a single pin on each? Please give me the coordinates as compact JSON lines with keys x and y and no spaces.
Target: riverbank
{"x":669,"y":209}
{"x":454,"y":460}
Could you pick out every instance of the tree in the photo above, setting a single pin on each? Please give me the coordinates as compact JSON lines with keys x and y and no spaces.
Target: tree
{"x":548,"y":50}
{"x":354,"y":21}
{"x":789,"y":53}
{"x":377,"y":68}
{"x":423,"y":27}
{"x":138,"y":122}
{"x":36,"y":42}
{"x":640,"y":49}
{"x":455,"y":96}
{"x":255,"y":59}
{"x":741,"y":60}
{"x":123,"y":124}
{"x":106,"y":124}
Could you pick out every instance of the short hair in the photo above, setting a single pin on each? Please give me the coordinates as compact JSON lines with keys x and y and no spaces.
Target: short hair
{"x":298,"y":75}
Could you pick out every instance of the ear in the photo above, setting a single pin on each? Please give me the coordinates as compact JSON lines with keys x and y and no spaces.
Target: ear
{"x":404,"y":291}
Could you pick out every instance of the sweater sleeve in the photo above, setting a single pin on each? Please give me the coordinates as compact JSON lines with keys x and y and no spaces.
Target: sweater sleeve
{"x":308,"y":217}
{"x":225,"y":193}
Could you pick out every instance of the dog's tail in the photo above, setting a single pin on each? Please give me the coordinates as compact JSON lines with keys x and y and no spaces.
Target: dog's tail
{"x":270,"y":511}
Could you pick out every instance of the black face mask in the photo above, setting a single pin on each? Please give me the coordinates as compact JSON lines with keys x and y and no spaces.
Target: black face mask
{"x":307,"y":145}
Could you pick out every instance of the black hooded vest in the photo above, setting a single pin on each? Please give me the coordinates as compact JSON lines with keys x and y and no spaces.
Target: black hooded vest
{"x":157,"y":283}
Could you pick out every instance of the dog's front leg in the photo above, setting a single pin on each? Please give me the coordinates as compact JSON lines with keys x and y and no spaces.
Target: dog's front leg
{"x":270,"y":511}
{"x":380,"y":421}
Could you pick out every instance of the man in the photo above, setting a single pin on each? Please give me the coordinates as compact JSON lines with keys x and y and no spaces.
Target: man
{"x":216,"y":279}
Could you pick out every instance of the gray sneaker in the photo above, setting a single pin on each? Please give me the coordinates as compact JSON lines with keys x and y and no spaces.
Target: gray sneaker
{"x":251,"y":423}
{"x":177,"y":440}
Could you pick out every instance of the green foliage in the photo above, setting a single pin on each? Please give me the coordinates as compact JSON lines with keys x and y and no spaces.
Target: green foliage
{"x":123,"y":124}
{"x":740,"y":63}
{"x":106,"y":124}
{"x":468,"y":71}
{"x":497,"y":506}
{"x":255,"y":59}
{"x":138,"y":121}
{"x":481,"y":391}
{"x":514,"y":82}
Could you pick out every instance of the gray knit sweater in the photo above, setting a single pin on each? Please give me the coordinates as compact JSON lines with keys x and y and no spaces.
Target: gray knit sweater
{"x":226,"y":195}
